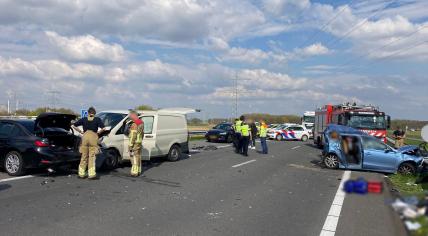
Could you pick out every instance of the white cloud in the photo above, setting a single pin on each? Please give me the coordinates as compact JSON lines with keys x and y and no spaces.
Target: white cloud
{"x":285,"y":7}
{"x":47,"y":69}
{"x":315,"y":49}
{"x":85,"y":48}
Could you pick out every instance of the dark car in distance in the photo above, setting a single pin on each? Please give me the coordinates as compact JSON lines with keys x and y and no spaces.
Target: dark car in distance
{"x":220,"y":133}
{"x":45,"y":142}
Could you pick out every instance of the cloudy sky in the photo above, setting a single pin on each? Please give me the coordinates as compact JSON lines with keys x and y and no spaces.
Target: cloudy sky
{"x":286,"y":56}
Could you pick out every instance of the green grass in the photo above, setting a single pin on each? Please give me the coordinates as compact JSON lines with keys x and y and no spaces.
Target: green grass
{"x":406,"y":184}
{"x":423,"y":231}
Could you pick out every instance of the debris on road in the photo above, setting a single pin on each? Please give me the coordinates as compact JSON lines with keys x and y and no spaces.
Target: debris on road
{"x":204,"y":148}
{"x":362,"y":186}
{"x":46,"y":181}
{"x":413,"y":211}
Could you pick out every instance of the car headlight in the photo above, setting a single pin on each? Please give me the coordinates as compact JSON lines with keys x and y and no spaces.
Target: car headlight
{"x":223,"y":133}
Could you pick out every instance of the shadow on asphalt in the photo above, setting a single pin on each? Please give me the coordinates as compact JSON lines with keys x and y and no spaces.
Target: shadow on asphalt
{"x":4,"y":186}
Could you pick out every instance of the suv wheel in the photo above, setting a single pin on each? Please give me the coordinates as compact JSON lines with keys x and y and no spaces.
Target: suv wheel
{"x":14,"y":164}
{"x":174,"y":153}
{"x":112,"y":159}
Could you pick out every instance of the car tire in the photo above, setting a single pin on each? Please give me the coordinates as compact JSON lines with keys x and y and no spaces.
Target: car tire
{"x":304,"y":138}
{"x":112,"y":159}
{"x":407,"y":169}
{"x":14,"y":164}
{"x":331,"y":161}
{"x":279,"y":137}
{"x":174,"y":153}
{"x":229,"y":139}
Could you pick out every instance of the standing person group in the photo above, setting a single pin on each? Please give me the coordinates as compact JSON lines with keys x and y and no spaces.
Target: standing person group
{"x":399,"y":136}
{"x":246,"y":134}
{"x":92,"y":128}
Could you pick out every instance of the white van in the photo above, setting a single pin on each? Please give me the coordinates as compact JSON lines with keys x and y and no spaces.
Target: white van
{"x":165,"y":134}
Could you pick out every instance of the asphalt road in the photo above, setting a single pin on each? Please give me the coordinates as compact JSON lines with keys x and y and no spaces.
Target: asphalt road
{"x":211,"y":192}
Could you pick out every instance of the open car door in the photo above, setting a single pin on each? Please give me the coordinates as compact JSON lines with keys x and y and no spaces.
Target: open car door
{"x":351,"y":151}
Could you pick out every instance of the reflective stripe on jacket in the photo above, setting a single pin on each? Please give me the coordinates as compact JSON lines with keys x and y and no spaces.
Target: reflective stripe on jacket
{"x":238,"y":126}
{"x":263,"y":131}
{"x":136,"y":134}
{"x":245,"y":130}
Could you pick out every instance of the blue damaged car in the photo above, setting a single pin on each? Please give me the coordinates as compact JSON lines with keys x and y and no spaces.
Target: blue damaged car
{"x":348,"y":148}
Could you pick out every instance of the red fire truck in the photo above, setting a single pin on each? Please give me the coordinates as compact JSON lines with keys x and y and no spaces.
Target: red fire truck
{"x":366,"y":118}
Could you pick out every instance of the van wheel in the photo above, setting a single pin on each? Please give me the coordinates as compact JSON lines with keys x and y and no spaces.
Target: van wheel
{"x":174,"y":153}
{"x":331,"y":161}
{"x":407,"y":169}
{"x":14,"y":164}
{"x":112,"y":160}
{"x":304,"y":138}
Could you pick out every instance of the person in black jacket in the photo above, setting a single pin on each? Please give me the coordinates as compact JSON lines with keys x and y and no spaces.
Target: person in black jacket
{"x":254,"y":131}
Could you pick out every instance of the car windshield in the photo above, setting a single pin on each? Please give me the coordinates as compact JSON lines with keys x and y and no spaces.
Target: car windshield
{"x":309,"y":119}
{"x":111,"y":119}
{"x":367,"y":122}
{"x":222,"y":126}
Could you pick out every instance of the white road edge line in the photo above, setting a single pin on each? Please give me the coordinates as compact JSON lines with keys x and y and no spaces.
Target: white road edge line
{"x":296,"y":147}
{"x":224,"y":146}
{"x":243,"y":163}
{"x":16,"y":178}
{"x":332,"y":219}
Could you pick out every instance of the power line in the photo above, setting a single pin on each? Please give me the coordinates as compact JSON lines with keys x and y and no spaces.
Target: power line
{"x":393,"y":54}
{"x":358,"y":25}
{"x":54,"y":94}
{"x":326,"y":24}
{"x":384,"y":46}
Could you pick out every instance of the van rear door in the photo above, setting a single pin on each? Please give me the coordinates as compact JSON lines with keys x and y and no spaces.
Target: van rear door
{"x":149,"y":140}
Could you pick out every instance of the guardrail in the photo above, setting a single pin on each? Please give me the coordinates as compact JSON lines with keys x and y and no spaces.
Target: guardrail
{"x":197,"y":132}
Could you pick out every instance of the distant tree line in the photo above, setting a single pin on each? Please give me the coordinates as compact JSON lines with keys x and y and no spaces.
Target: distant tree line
{"x":38,"y":111}
{"x":412,"y":124}
{"x":274,"y":119}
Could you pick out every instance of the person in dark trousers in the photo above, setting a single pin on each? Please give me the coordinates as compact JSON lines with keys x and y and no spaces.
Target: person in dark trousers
{"x":237,"y":135}
{"x":246,"y":136}
{"x":254,"y":132}
{"x":263,"y":135}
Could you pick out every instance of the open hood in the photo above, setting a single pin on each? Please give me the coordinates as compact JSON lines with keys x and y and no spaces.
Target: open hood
{"x":407,"y":148}
{"x":54,"y":120}
{"x":179,"y":110}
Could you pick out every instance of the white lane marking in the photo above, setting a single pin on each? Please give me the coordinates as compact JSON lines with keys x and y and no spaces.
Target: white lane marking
{"x":296,"y":147}
{"x":330,"y":224}
{"x":16,"y":178}
{"x":224,"y":146}
{"x":243,"y":163}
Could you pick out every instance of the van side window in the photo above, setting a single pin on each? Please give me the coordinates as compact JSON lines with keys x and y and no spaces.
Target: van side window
{"x":148,"y":124}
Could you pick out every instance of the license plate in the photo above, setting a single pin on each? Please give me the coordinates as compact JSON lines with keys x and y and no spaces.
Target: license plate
{"x":213,"y":137}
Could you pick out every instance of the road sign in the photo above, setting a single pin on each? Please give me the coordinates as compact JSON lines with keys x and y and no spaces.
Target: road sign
{"x":83,"y":113}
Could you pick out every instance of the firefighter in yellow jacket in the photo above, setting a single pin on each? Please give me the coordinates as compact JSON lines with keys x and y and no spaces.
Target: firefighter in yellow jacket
{"x":136,"y":134}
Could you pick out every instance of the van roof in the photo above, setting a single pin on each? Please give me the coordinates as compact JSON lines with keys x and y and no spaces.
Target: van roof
{"x":141,"y":111}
